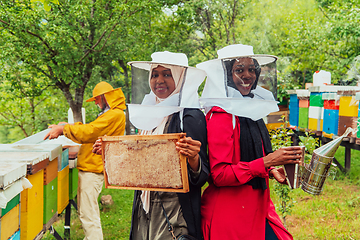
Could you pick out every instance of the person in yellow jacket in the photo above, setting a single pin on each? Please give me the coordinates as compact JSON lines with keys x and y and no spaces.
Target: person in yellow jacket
{"x":110,"y":122}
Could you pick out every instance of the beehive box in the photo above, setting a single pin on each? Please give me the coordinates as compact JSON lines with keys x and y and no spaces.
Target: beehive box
{"x":50,"y":171}
{"x":10,"y":205}
{"x":316,"y":99}
{"x":348,"y":106}
{"x":50,"y":200}
{"x":331,"y":121}
{"x":63,"y":189}
{"x":10,"y":192}
{"x":11,"y":185}
{"x":53,"y":150}
{"x":344,"y":123}
{"x":69,"y":149}
{"x":10,"y":222}
{"x":315,"y":115}
{"x":274,"y":120}
{"x":73,"y":182}
{"x":331,"y":113}
{"x":15,"y":236}
{"x":303,"y":103}
{"x":64,"y":159}
{"x":144,"y":162}
{"x":32,"y":207}
{"x":54,"y":144}
{"x":10,"y":172}
{"x":35,"y":161}
{"x":293,"y":108}
{"x":303,"y":117}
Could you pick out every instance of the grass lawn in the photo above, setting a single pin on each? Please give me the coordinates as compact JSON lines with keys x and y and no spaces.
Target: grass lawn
{"x":332,"y":215}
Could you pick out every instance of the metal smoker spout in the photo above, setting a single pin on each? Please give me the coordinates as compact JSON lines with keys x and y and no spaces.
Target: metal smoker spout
{"x":329,"y":149}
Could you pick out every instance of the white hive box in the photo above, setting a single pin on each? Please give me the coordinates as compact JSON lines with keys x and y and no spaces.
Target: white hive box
{"x":73,"y":147}
{"x":333,"y":88}
{"x":10,"y":191}
{"x":24,"y":157}
{"x":53,"y":150}
{"x":10,"y":172}
{"x":35,"y":160}
{"x":64,"y":141}
{"x":38,"y":138}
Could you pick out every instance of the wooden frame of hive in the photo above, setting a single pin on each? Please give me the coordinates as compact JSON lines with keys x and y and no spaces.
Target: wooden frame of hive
{"x":146,"y":162}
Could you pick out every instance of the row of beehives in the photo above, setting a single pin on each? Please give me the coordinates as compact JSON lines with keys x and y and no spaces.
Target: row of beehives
{"x":28,"y":213}
{"x":329,"y":109}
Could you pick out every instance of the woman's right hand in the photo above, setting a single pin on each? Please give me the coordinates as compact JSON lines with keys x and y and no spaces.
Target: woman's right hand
{"x":283,"y":156}
{"x":97,"y":147}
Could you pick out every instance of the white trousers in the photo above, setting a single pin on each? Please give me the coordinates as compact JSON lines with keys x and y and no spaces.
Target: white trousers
{"x":89,"y":188}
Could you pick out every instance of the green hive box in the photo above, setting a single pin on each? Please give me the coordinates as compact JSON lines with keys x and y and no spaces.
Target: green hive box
{"x":10,"y":205}
{"x":303,"y":117}
{"x":316,"y":100}
{"x":73,"y":182}
{"x":50,"y":200}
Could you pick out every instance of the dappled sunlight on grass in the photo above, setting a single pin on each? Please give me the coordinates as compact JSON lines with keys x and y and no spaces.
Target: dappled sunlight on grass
{"x":331,"y":215}
{"x":115,"y":219}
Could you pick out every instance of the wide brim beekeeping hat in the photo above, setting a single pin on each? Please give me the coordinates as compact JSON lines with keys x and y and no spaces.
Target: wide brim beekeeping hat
{"x":150,"y":112}
{"x":217,"y":92}
{"x":242,"y":51}
{"x":163,"y":58}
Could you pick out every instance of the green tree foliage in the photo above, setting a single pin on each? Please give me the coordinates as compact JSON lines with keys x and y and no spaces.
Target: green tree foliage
{"x":46,"y":3}
{"x":288,"y":29}
{"x":213,"y":25}
{"x":24,"y":103}
{"x":70,"y":43}
{"x":75,"y":44}
{"x":343,"y":35}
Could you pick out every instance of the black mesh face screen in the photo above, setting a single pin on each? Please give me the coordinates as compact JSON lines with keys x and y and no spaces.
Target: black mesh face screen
{"x":265,"y":75}
{"x":139,"y":84}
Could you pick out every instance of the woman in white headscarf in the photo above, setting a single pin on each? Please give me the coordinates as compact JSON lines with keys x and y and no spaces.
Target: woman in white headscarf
{"x":172,"y":106}
{"x":237,"y":204}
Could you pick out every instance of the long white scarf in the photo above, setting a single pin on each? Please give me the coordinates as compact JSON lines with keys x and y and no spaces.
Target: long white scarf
{"x":171,"y":100}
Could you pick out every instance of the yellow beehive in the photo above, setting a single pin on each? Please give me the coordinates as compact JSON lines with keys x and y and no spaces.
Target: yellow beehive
{"x":348,"y":106}
{"x":63,"y":189}
{"x":32,"y":207}
{"x":312,"y":125}
{"x":315,"y":124}
{"x":10,"y":223}
{"x":274,"y":120}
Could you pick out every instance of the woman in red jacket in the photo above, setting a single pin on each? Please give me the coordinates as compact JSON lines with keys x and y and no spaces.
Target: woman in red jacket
{"x":237,"y":204}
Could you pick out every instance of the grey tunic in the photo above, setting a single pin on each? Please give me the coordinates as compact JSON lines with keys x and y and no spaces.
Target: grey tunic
{"x":153,"y":225}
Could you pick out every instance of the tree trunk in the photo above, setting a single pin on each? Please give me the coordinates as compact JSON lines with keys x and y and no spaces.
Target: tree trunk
{"x":77,"y":113}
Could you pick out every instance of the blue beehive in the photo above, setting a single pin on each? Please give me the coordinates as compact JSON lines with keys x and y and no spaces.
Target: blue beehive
{"x":294,"y":110}
{"x":331,"y":113}
{"x":64,"y":160}
{"x":331,"y":121}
